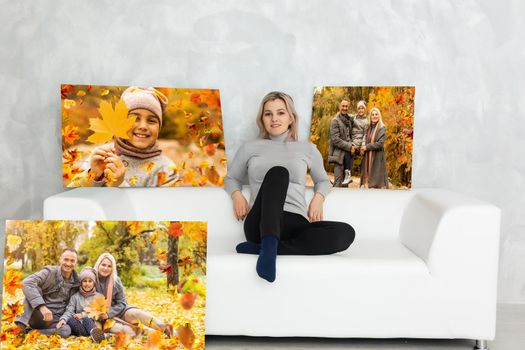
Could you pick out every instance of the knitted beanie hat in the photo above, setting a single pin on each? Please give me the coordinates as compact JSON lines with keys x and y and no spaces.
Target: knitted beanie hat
{"x":148,"y":98}
{"x":88,"y":272}
{"x":361,"y":103}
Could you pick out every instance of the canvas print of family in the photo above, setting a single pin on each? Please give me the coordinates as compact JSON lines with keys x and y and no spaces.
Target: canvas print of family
{"x":128,"y":136}
{"x":365,"y":135}
{"x":104,"y":284}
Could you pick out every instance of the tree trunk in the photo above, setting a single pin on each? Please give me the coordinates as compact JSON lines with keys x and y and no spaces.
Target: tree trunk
{"x":173,"y":255}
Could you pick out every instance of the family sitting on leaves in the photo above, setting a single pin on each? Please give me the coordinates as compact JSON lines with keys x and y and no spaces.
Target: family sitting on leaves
{"x":352,"y":136}
{"x":56,"y":298}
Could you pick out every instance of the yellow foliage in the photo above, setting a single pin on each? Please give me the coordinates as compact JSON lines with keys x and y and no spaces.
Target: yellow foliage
{"x":114,"y":122}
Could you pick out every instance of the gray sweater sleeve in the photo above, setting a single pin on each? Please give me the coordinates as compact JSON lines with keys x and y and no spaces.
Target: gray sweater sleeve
{"x":119,"y":302}
{"x":237,"y":170}
{"x":71,"y":308}
{"x":33,"y":287}
{"x":321,"y":181}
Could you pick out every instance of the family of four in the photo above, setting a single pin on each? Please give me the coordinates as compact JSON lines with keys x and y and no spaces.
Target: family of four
{"x":56,"y":298}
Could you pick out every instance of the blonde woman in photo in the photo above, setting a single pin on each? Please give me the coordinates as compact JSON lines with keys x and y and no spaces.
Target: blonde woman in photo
{"x":373,"y":167}
{"x":110,"y":285}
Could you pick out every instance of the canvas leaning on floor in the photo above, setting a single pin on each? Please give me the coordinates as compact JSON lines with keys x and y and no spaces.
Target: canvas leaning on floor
{"x":98,"y":283}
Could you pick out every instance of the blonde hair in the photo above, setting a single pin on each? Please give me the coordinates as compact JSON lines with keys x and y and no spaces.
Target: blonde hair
{"x":288,"y":101}
{"x":111,"y":258}
{"x":380,"y":116}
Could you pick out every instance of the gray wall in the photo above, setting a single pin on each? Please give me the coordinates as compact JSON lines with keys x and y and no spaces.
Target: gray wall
{"x":464,"y":57}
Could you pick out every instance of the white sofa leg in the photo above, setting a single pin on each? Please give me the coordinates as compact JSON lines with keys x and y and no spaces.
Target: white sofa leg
{"x":481,"y":345}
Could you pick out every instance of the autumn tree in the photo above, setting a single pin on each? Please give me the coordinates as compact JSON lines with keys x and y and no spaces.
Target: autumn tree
{"x":42,"y":242}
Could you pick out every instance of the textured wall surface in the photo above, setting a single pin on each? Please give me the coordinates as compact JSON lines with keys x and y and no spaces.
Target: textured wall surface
{"x":464,"y":57}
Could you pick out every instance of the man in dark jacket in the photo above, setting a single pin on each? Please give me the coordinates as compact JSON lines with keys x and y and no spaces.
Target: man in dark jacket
{"x":47,"y":294}
{"x":340,"y":143}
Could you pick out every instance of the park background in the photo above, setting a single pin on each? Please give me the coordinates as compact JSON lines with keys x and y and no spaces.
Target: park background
{"x":191,"y":134}
{"x":464,"y":57}
{"x":396,"y":104}
{"x":162,"y":265}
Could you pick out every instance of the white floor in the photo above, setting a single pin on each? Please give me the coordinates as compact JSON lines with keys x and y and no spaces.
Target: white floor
{"x":510,"y":335}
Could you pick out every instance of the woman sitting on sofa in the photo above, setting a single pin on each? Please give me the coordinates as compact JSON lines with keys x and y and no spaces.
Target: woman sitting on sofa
{"x":277,"y":220}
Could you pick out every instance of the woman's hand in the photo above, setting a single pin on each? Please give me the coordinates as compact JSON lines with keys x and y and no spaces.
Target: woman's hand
{"x":315,"y":209}
{"x":77,"y":316}
{"x":98,"y":159}
{"x":60,"y":323}
{"x":240,"y":205}
{"x":117,"y":168}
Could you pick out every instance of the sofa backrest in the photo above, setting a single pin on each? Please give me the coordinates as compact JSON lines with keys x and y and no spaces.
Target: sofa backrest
{"x":374,"y":214}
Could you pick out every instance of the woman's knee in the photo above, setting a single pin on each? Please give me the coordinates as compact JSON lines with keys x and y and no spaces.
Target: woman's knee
{"x":346,"y":236}
{"x":278,"y":171}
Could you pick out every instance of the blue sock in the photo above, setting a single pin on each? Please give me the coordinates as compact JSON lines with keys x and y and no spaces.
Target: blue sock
{"x":248,"y":248}
{"x":266,"y":261}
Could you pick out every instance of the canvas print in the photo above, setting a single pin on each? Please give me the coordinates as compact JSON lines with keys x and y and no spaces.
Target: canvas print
{"x":365,"y":135}
{"x":104,"y":284}
{"x":130,"y":136}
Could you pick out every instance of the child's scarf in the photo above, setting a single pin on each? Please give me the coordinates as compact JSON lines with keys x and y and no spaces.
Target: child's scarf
{"x":125,"y":148}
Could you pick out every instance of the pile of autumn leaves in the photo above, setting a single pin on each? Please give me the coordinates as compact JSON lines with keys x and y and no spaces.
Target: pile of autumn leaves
{"x":188,"y":309}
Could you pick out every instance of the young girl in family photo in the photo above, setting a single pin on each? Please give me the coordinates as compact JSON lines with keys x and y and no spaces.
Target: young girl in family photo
{"x":75,"y":316}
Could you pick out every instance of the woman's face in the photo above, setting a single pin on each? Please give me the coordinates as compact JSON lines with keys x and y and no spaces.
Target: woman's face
{"x":105,"y":268}
{"x":361,"y":111}
{"x":374,"y":116}
{"x":276,"y":118}
{"x":146,"y":129}
{"x":87,"y":284}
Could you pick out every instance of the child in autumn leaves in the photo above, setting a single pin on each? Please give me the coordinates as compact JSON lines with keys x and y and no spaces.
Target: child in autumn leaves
{"x":137,"y":161}
{"x":75,"y":316}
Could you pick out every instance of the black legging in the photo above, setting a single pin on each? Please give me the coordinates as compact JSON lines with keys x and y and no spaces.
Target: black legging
{"x":297,"y":236}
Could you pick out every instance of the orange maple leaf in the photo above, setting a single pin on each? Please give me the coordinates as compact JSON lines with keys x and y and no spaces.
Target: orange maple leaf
{"x":11,"y":311}
{"x":154,"y":340}
{"x":186,"y":336}
{"x":175,"y":229}
{"x":211,"y":148}
{"x":33,"y":337}
{"x":12,"y":281}
{"x":161,"y":178}
{"x":213,"y":175}
{"x":97,"y":306}
{"x":70,"y":134}
{"x":71,"y":156}
{"x":121,"y":340}
{"x":114,"y":122}
{"x":195,"y":98}
{"x":148,"y":166}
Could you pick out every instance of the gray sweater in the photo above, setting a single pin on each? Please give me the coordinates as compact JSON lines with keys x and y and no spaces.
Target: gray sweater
{"x":256,"y":157}
{"x":76,"y":305}
{"x":358,"y":133}
{"x":139,"y":173}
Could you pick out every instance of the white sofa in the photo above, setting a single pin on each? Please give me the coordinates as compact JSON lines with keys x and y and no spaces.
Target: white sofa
{"x":424,"y":263}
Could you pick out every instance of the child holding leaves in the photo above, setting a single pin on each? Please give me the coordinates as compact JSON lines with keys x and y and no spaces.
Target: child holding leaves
{"x":135,"y":160}
{"x":75,"y":316}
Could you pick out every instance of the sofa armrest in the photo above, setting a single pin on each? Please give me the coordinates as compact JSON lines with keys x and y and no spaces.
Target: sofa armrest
{"x":90,"y":203}
{"x":454,"y":234}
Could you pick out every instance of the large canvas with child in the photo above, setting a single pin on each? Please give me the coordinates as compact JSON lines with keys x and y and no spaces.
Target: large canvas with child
{"x":141,"y":136}
{"x":104,"y":284}
{"x":365,"y":135}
